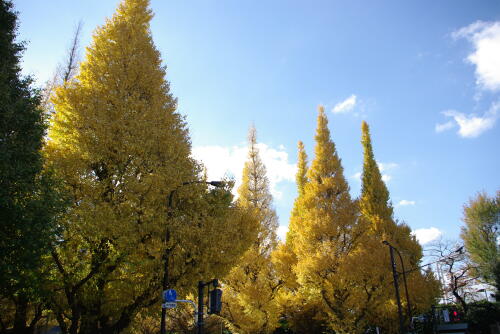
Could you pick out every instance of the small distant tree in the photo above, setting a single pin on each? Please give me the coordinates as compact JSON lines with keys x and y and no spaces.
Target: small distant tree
{"x":454,"y":271}
{"x":481,"y":234}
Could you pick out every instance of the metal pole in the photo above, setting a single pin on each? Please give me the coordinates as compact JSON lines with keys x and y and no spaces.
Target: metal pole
{"x":406,"y":286}
{"x":396,"y":287}
{"x":163,"y":327}
{"x":201,"y":286}
{"x":164,"y":310}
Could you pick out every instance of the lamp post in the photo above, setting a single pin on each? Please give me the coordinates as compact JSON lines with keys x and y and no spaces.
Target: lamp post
{"x":404,"y":280}
{"x":408,"y":305}
{"x":396,"y":286}
{"x":165,"y":281}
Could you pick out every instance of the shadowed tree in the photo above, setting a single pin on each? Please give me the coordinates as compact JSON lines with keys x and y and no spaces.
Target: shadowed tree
{"x":29,"y":199}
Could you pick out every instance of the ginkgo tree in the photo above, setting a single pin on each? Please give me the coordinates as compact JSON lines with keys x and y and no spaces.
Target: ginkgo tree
{"x":300,"y":313}
{"x":251,"y":287}
{"x":375,"y":277}
{"x":121,"y":148}
{"x":328,"y":235}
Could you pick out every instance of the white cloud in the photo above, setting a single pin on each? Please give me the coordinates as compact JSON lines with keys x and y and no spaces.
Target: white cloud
{"x":220,"y":160}
{"x":405,"y":202}
{"x":472,"y":125}
{"x":485,"y":37}
{"x":385,"y":167}
{"x":426,"y":235}
{"x":386,"y":178}
{"x":444,"y":126}
{"x":282,"y":231}
{"x":345,"y":106}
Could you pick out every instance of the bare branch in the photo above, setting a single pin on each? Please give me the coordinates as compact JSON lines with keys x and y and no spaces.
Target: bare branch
{"x":73,"y":57}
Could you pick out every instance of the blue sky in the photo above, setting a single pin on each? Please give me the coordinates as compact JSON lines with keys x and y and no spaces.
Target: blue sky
{"x":425,"y":75}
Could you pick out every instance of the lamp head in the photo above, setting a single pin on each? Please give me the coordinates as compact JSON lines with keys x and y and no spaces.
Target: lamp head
{"x":218,"y":184}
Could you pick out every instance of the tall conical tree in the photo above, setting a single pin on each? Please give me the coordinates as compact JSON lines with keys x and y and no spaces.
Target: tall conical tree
{"x":302,"y":315}
{"x":251,"y":287}
{"x":123,"y":150}
{"x":284,"y":256}
{"x":328,"y":234}
{"x":301,"y":177}
{"x":374,"y":203}
{"x":301,"y":180}
{"x":254,"y":193}
{"x":377,"y":212}
{"x":28,"y":197}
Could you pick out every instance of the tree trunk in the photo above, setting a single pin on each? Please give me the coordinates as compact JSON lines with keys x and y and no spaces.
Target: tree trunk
{"x":20,"y":317}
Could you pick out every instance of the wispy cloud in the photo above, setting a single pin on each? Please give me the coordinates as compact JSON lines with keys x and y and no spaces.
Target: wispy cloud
{"x":472,"y":125}
{"x":426,"y":235}
{"x":221,"y":160}
{"x":444,"y":126}
{"x":405,"y":202}
{"x":485,"y":37}
{"x":386,"y":166}
{"x":345,"y":106}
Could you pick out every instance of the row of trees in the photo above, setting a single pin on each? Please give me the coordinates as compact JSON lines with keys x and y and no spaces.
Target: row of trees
{"x":88,"y":238}
{"x":333,"y":271}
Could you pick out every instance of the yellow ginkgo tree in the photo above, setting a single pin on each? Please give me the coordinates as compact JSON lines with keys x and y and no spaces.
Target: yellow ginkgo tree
{"x":122,"y":150}
{"x":250,"y":289}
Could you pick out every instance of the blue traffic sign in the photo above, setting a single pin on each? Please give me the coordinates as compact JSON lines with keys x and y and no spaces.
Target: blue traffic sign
{"x":169,"y":295}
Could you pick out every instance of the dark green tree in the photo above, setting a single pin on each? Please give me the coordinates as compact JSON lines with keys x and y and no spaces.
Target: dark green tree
{"x":27,"y":201}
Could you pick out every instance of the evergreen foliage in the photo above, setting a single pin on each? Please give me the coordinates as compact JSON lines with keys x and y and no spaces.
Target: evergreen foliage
{"x":29,"y":199}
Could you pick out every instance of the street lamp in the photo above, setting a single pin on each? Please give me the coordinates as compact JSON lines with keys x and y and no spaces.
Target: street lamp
{"x":217,"y":184}
{"x":396,"y":286}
